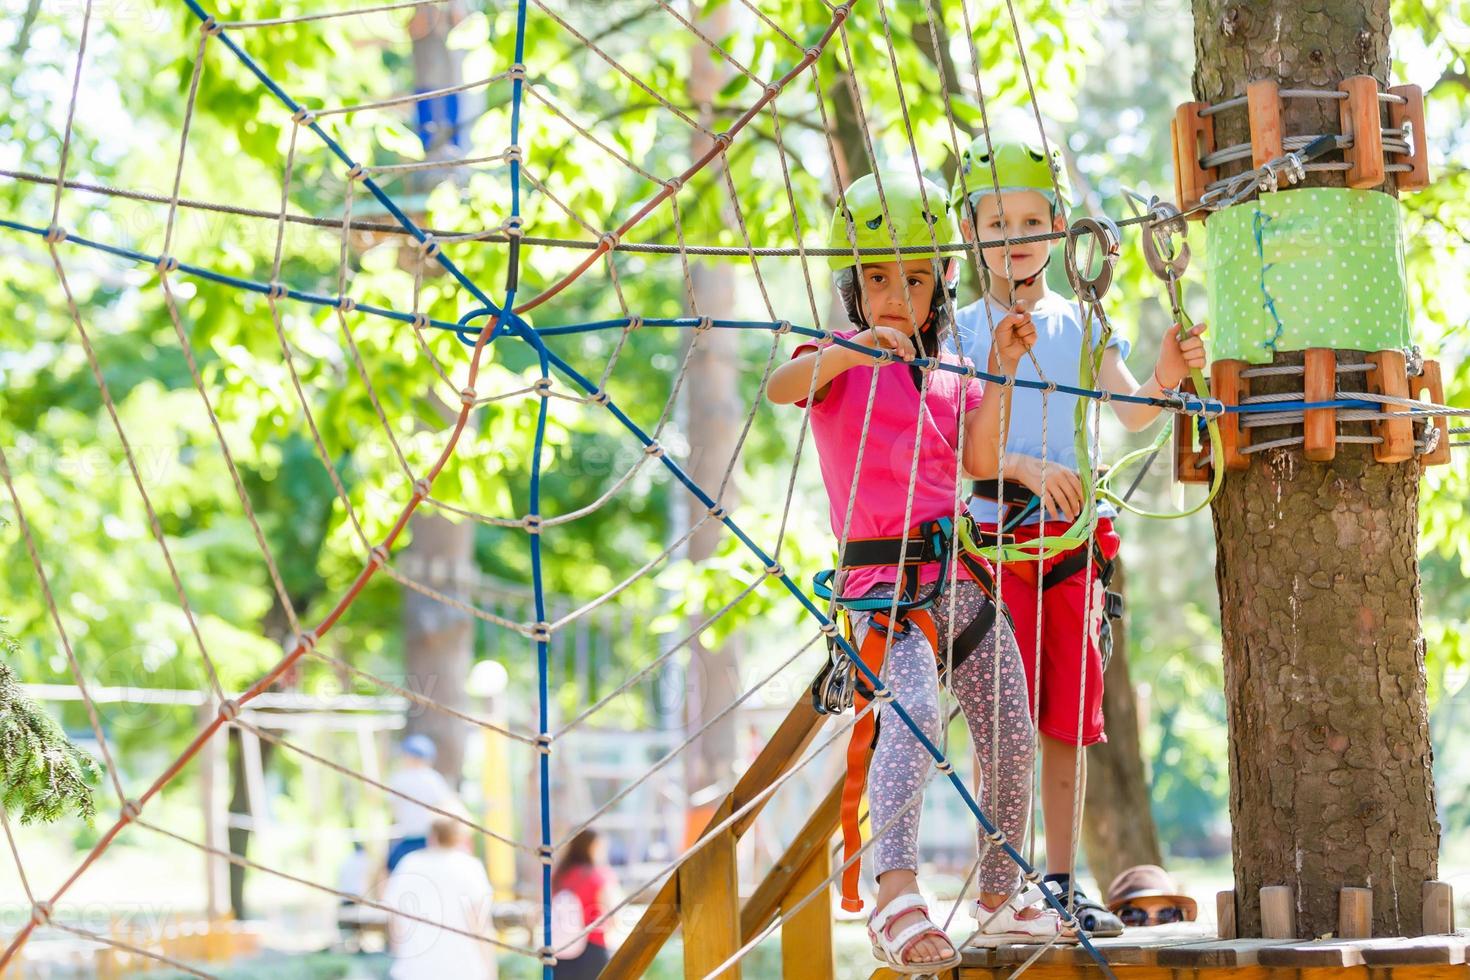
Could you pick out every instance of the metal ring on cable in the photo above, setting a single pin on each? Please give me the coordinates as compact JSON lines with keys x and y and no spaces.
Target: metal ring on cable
{"x":1158,"y":242}
{"x":1091,"y":289}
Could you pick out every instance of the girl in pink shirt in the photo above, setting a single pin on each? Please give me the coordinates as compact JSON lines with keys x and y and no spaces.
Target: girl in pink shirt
{"x":869,"y":418}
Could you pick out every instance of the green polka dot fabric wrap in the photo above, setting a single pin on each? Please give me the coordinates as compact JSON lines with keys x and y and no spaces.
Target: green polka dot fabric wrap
{"x":1317,"y":267}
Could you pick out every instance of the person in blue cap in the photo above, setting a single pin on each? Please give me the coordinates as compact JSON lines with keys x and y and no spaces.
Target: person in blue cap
{"x":418,"y":781}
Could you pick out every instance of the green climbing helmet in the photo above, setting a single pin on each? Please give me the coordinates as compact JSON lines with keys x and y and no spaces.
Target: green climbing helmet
{"x":1019,"y":166}
{"x":917,"y":207}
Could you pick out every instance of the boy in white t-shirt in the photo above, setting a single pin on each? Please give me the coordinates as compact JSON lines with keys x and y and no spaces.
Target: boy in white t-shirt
{"x":1008,"y":189}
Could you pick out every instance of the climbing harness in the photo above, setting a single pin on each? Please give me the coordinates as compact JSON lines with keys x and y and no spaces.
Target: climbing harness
{"x":839,"y":686}
{"x":1017,"y":503}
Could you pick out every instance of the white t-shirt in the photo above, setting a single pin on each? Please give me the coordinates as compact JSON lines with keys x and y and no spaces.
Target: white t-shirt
{"x":425,"y":784}
{"x":449,"y":887}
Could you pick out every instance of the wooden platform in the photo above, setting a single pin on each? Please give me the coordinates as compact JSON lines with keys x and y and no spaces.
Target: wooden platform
{"x":1190,"y":952}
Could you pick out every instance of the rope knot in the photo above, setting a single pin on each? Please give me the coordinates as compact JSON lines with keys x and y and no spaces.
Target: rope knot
{"x":55,"y":234}
{"x":719,"y":513}
{"x":945,"y":767}
{"x":378,"y":556}
{"x":355,"y":172}
{"x":548,"y":958}
{"x":783,"y":326}
{"x":513,"y":226}
{"x":467,"y":397}
{"x":419,"y":321}
{"x":1033,"y":876}
{"x":307,"y":639}
{"x":541,"y":633}
{"x":884,"y":694}
{"x":996,"y":838}
{"x":772,"y":90}
{"x":229,"y":709}
{"x":543,"y":743}
{"x":609,"y":238}
{"x":705,"y":323}
{"x":428,"y":246}
{"x":276,"y":290}
{"x":1104,"y":395}
{"x":814,"y":52}
{"x":775,"y":570}
{"x":532,"y":523}
{"x":724,"y":139}
{"x":654,"y":449}
{"x":544,"y":853}
{"x":516,"y":72}
{"x":421,"y":488}
{"x":674,"y":184}
{"x":1008,"y":380}
{"x":346,"y":304}
{"x":130,"y":810}
{"x":166,"y":264}
{"x":598,"y":398}
{"x":1051,"y":387}
{"x":829,"y":628}
{"x":513,"y":153}
{"x":542,"y":387}
{"x":210,"y":27}
{"x":303,"y":117}
{"x":41,"y":913}
{"x":634,"y":322}
{"x":839,"y":14}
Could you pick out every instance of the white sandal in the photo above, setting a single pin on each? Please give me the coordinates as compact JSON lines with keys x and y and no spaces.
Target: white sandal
{"x":1011,"y":921}
{"x":890,"y":950}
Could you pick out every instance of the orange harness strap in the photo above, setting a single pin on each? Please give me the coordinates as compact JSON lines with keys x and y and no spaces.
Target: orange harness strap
{"x":862,"y":741}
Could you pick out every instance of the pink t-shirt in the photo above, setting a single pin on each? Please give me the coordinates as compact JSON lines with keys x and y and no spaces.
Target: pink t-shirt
{"x":888,"y":459}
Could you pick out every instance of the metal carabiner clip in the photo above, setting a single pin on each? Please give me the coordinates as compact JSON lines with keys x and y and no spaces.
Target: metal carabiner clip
{"x":1092,"y":288}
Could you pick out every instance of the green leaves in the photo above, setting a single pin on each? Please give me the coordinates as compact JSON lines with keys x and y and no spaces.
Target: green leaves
{"x":42,"y":775}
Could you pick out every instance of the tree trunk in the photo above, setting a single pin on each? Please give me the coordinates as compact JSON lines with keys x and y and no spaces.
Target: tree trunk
{"x":437,"y":640}
{"x":713,"y":409}
{"x":1330,"y":778}
{"x":1119,"y":830}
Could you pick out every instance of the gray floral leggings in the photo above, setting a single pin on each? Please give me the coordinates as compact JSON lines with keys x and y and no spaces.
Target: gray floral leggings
{"x":901,"y":766}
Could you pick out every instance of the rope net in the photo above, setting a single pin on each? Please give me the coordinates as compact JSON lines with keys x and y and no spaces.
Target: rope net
{"x":465,"y":354}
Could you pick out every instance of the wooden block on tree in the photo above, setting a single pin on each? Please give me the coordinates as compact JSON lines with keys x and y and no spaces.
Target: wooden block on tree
{"x":1186,"y":454}
{"x":1319,"y":384}
{"x":1194,"y":137}
{"x":1411,"y":114}
{"x":1390,"y":377}
{"x":1430,"y":386}
{"x":1227,"y":386}
{"x":1362,"y":121}
{"x":1278,"y":912}
{"x":1355,"y":913}
{"x":1263,"y":104}
{"x":1225,"y":914}
{"x":1439,"y":908}
{"x":709,"y":908}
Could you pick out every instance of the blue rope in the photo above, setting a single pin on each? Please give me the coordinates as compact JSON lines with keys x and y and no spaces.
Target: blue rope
{"x":1259,"y":220}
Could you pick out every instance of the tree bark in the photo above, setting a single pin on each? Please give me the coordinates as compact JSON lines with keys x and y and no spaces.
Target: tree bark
{"x":438,"y":641}
{"x":1330,"y":758}
{"x":713,"y":408}
{"x":1119,"y":831}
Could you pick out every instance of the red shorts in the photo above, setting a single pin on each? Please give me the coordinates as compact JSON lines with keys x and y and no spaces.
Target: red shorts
{"x":1066,"y":674}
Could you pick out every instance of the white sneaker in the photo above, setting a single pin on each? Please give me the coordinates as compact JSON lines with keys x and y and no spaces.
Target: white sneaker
{"x":1021,"y":923}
